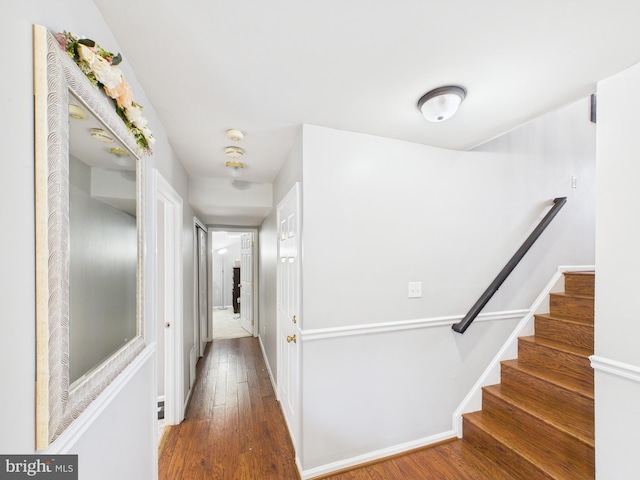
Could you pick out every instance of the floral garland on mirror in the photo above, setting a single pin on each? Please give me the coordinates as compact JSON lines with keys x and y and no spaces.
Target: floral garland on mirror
{"x":100,"y":68}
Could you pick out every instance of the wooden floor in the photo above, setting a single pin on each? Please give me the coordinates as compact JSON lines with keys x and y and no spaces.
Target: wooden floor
{"x":234,"y":429}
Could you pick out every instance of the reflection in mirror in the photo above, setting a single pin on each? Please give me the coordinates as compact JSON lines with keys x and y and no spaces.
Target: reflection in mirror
{"x":103,"y":243}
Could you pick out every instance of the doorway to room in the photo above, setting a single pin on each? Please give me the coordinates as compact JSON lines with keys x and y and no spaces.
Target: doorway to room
{"x":233,"y":282}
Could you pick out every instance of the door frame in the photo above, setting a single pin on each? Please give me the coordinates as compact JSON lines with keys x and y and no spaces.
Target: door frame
{"x":256,"y":283}
{"x":199,"y":339}
{"x":172,"y":295}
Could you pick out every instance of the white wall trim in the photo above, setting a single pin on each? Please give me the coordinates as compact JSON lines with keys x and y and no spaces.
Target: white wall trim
{"x":614,"y":367}
{"x":375,"y":455}
{"x":509,"y":350}
{"x":324,"y":333}
{"x":173,"y":268}
{"x":67,"y":440}
{"x":268,"y":365}
{"x":196,"y":255}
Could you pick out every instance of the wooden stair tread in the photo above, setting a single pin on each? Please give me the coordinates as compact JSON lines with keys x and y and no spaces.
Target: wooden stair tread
{"x":572,"y":295}
{"x":580,"y":429}
{"x":533,"y":449}
{"x":577,"y":332}
{"x":555,"y":378}
{"x":570,"y":321}
{"x":562,"y":347}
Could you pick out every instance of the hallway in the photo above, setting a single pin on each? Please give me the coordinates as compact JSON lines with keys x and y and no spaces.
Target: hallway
{"x":234,"y":428}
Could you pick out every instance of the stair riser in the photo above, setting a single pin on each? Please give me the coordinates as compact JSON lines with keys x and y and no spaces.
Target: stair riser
{"x":550,"y":439}
{"x":579,"y":283}
{"x":574,"y":366}
{"x":578,"y":308}
{"x":580,"y":335}
{"x":535,"y":388}
{"x":500,"y":453}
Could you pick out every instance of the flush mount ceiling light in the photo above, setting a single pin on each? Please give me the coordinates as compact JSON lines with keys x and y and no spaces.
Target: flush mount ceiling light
{"x":235,"y":135}
{"x":441,"y":103}
{"x":100,"y":135}
{"x":235,"y":166}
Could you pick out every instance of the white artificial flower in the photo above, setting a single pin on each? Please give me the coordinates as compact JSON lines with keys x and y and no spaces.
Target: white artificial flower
{"x":148,"y":135}
{"x":106,"y":74}
{"x":86,"y":54}
{"x":133,"y":114}
{"x":140,"y":122}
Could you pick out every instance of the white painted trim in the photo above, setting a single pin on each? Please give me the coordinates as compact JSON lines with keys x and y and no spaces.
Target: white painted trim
{"x":174,"y":355}
{"x":160,"y":398}
{"x":68,"y":439}
{"x":614,"y":367}
{"x":193,"y":361}
{"x":509,"y":350}
{"x":256,"y":266}
{"x":186,"y":403}
{"x":196,"y":318}
{"x":335,"y":332}
{"x":372,"y":456}
{"x":268,"y":365}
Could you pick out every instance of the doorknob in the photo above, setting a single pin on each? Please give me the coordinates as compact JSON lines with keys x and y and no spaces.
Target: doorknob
{"x":291,"y":339}
{"x":294,"y":320}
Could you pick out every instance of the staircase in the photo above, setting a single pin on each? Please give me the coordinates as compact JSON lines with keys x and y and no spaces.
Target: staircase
{"x":538,"y":422}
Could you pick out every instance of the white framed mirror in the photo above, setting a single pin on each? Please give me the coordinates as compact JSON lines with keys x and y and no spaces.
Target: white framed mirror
{"x":89,"y":239}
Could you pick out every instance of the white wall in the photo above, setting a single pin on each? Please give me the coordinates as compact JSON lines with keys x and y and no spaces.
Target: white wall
{"x":379,"y":213}
{"x":617,"y":356}
{"x":125,"y":430}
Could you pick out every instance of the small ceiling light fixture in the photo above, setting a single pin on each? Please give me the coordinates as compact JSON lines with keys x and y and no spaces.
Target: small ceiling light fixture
{"x":233,"y":152}
{"x":441,"y":103}
{"x":100,"y":135}
{"x":120,"y":152}
{"x":235,"y":135}
{"x":76,"y":112}
{"x":235,"y":166}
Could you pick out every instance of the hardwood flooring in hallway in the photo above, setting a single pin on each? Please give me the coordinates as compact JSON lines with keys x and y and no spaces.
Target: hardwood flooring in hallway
{"x":234,"y":428}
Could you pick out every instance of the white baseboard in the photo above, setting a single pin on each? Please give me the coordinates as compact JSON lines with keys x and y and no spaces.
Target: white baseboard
{"x":373,"y":456}
{"x":266,"y":362}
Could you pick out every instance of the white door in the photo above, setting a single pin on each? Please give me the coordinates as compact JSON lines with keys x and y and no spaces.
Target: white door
{"x":288,"y":294}
{"x":246,"y":282}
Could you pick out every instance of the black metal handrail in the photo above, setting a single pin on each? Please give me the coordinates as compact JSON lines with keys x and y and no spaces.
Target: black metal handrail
{"x":461,"y":326}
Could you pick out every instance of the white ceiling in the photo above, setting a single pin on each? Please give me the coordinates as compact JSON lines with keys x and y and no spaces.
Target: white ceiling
{"x":360,"y":65}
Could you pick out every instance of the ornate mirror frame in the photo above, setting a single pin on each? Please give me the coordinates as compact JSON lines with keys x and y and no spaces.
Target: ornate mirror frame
{"x":55,"y":75}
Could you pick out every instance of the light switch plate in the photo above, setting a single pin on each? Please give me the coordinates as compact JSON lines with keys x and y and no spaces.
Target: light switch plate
{"x":415,"y":289}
